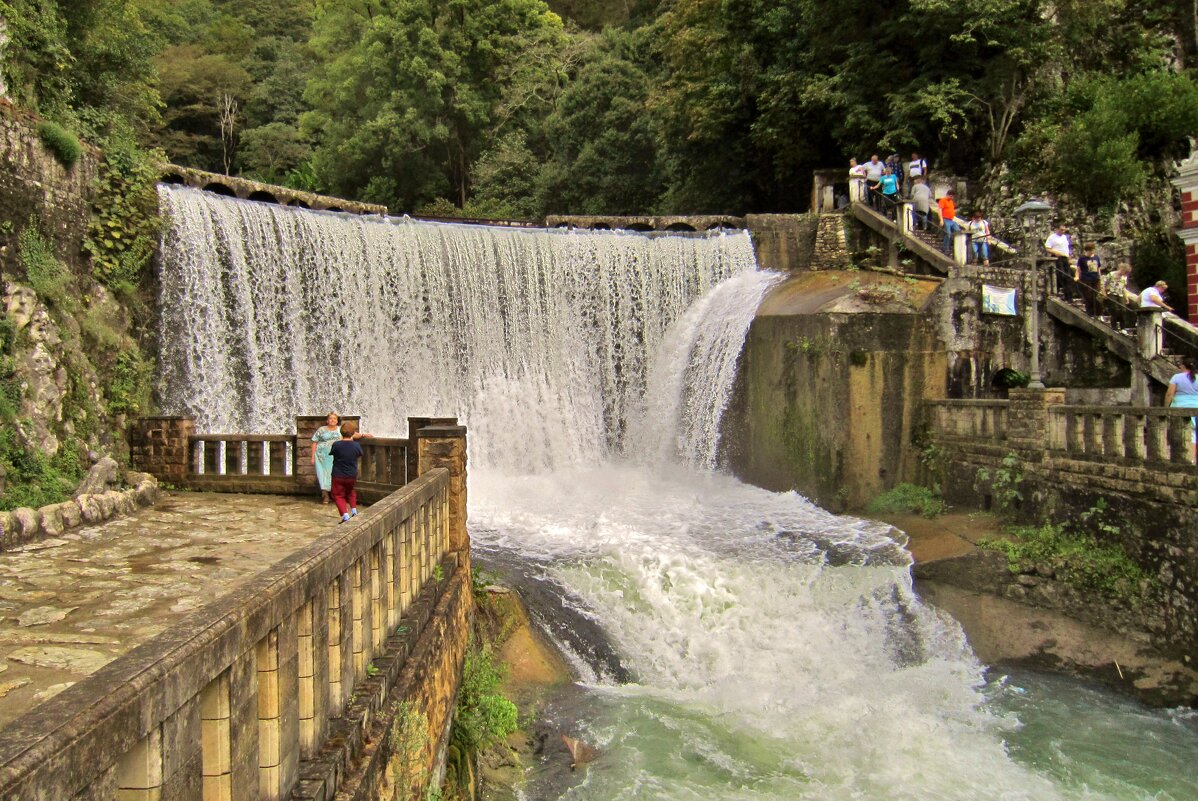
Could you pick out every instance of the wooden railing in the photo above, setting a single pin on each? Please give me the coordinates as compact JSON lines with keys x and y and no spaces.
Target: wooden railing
{"x":241,"y":699}
{"x":1148,"y":434}
{"x":984,"y":419}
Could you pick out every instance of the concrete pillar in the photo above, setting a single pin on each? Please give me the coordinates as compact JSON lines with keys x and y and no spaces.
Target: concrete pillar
{"x":960,"y":248}
{"x":445,"y":446}
{"x":1187,"y":183}
{"x":1148,"y":332}
{"x":857,"y":190}
{"x":1028,"y":424}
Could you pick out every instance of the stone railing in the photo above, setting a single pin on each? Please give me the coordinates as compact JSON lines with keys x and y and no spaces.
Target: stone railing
{"x":968,"y":418}
{"x":1124,"y":434}
{"x":169,"y":449}
{"x":1132,"y":434}
{"x":286,"y":688}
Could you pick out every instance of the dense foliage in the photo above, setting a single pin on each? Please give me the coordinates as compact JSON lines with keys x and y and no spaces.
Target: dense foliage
{"x":518,"y":108}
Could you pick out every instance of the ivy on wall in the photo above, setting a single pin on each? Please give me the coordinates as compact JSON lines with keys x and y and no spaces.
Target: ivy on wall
{"x":124,"y":226}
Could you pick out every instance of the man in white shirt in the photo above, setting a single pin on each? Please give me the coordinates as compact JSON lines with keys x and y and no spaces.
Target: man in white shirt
{"x":916,"y":168}
{"x":1057,"y":245}
{"x":1153,"y":297}
{"x":873,"y":178}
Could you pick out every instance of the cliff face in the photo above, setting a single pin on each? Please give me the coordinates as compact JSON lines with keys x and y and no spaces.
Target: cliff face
{"x":69,"y":369}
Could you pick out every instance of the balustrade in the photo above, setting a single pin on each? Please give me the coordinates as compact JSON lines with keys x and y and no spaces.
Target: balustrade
{"x":242,"y":455}
{"x":986,"y":419}
{"x":1139,"y":434}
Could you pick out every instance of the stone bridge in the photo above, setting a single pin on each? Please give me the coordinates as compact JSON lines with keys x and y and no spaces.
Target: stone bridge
{"x":291,"y":685}
{"x":246,"y":189}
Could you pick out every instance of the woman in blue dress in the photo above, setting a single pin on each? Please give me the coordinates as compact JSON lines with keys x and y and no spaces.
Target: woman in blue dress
{"x":1183,"y":392}
{"x":322,"y":458}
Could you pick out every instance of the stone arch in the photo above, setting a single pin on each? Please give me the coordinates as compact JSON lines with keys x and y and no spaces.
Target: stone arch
{"x":299,"y":203}
{"x":220,"y":189}
{"x":173,"y":178}
{"x":334,"y":208}
{"x":680,"y":226}
{"x":639,"y":227}
{"x":600,"y":226}
{"x":262,"y":195}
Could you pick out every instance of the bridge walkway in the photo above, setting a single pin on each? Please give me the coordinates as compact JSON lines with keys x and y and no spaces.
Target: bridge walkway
{"x":72,"y":604}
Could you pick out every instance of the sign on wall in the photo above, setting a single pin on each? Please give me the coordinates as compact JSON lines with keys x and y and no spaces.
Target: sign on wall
{"x":999,"y":300}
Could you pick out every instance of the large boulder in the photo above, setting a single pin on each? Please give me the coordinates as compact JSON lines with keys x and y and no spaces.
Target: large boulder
{"x":104,"y":474}
{"x":72,"y":515}
{"x":52,"y":525}
{"x":26,"y":523}
{"x":92,"y":511}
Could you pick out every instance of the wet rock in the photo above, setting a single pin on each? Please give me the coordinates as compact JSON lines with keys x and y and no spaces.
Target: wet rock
{"x":90,"y":508}
{"x":41,"y":615}
{"x":26,"y":522}
{"x":52,"y":524}
{"x":104,"y":474}
{"x":12,"y":684}
{"x":75,"y":660}
{"x":147,"y":493}
{"x":72,"y":515}
{"x":128,"y":502}
{"x":46,"y":544}
{"x":7,"y":534}
{"x":107,"y":503}
{"x":135,"y":479}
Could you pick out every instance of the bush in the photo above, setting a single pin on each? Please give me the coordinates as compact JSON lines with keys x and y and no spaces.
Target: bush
{"x":908,"y":499}
{"x":62,"y":143}
{"x":1075,"y":558}
{"x":33,"y":479}
{"x":46,"y":274}
{"x":483,"y":716}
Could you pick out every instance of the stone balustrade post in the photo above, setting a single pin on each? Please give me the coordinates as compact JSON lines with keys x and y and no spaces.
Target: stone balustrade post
{"x":1028,"y":424}
{"x":960,"y":248}
{"x":445,"y":446}
{"x":904,"y":210}
{"x":161,"y":446}
{"x":1148,"y":332}
{"x":857,"y":190}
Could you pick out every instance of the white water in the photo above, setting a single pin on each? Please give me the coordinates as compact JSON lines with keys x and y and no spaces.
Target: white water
{"x":778,"y":651}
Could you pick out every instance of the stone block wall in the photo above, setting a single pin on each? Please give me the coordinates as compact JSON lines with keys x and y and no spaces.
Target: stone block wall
{"x":784,"y":242}
{"x":160,"y":446}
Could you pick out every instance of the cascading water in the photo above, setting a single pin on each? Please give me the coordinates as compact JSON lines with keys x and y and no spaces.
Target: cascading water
{"x":763,"y":648}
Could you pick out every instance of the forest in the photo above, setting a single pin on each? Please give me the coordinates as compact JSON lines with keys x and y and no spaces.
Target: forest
{"x":518,"y":108}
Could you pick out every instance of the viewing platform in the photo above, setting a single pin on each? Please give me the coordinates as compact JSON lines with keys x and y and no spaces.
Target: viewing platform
{"x":279,"y":677}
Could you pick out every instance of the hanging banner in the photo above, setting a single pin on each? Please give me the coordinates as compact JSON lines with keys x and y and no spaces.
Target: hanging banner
{"x":999,"y":300}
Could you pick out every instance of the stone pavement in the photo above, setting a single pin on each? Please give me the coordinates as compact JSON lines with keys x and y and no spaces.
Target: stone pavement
{"x":71,"y":604}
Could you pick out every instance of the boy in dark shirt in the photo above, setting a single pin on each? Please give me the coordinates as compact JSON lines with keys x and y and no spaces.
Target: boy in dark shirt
{"x":346,"y":454}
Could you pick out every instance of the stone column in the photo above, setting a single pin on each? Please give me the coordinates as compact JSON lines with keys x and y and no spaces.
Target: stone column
{"x":161,"y":446}
{"x":1148,"y":332}
{"x":1028,"y":424}
{"x":1187,"y":183}
{"x":904,"y":210}
{"x":445,"y":446}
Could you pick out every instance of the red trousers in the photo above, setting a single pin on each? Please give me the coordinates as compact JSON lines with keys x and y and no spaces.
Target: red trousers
{"x":342,"y":489}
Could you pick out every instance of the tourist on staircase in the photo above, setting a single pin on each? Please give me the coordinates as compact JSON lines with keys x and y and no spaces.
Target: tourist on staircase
{"x":948,"y":219}
{"x":916,"y":168}
{"x":873,"y":179}
{"x":1117,"y":298}
{"x":979,"y":237}
{"x":889,"y":189}
{"x":1089,"y":274}
{"x":921,"y":201}
{"x":1154,"y":297}
{"x":895,"y":165}
{"x":1183,"y":394}
{"x":1057,"y":244}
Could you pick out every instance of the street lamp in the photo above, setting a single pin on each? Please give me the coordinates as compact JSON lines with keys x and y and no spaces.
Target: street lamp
{"x":1031,"y":216}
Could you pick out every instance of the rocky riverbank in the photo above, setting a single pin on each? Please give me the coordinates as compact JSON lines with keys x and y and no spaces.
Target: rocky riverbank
{"x":1034,"y":620}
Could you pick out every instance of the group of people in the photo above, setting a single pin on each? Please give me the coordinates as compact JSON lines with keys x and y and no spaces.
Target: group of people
{"x":335,"y":457}
{"x":888,"y":181}
{"x":1092,"y":283}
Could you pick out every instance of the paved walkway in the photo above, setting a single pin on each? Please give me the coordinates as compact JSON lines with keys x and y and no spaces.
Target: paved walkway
{"x":72,"y":604}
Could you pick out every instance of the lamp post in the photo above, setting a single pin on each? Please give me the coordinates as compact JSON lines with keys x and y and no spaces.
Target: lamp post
{"x":1030,"y":216}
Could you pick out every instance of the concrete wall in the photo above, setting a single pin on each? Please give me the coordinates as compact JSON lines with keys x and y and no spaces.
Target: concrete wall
{"x":827,"y":400}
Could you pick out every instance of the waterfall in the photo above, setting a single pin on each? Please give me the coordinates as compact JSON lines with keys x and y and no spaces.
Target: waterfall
{"x":539,"y":340}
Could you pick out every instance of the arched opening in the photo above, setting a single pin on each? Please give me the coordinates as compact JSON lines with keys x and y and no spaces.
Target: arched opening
{"x":264,"y":196}
{"x":680,"y":226}
{"x":600,"y":226}
{"x":639,"y":227}
{"x":219,"y":189}
{"x":1006,"y":378}
{"x":334,"y":208}
{"x":299,"y":204}
{"x":174,"y":178}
